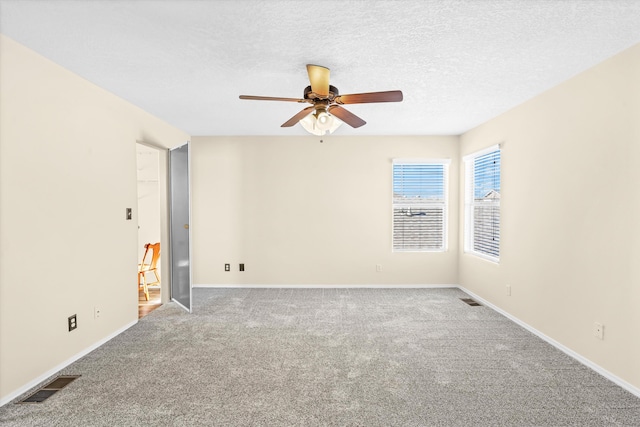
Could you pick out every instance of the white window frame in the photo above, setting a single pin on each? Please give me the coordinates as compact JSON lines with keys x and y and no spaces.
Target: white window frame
{"x":445,"y":203}
{"x":469,"y":203}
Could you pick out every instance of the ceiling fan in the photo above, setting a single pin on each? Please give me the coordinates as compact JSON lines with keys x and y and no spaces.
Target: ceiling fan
{"x":327,"y":102}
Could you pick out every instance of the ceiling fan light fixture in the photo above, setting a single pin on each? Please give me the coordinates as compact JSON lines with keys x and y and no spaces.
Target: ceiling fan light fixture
{"x":324,"y":120}
{"x":320,"y":122}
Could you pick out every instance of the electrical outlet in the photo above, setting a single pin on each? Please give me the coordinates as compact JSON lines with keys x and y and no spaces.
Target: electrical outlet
{"x":378,"y":268}
{"x":598,"y":330}
{"x":97,"y":312}
{"x":508,"y":290}
{"x":227,"y":267}
{"x":72,"y":322}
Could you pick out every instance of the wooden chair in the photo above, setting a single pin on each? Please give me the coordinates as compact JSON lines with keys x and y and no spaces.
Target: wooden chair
{"x":147,"y":267}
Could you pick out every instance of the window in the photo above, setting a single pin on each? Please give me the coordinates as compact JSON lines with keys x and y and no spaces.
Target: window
{"x":419,"y":205}
{"x":482,"y":203}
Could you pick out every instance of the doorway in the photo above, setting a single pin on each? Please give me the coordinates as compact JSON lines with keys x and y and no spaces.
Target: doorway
{"x":149,"y":222}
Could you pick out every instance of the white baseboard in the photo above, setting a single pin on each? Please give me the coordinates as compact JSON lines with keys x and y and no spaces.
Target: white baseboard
{"x":588,"y":363}
{"x":378,"y":286}
{"x":16,"y":393}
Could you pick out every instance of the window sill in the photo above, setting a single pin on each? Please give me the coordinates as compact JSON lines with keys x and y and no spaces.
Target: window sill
{"x":484,"y":257}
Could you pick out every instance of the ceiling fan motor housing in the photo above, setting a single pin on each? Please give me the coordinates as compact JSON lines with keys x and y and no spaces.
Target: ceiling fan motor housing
{"x":309,"y":94}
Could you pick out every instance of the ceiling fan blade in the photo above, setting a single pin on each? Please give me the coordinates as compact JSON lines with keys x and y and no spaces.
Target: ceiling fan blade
{"x":295,"y":119}
{"x":365,"y":98}
{"x":271,"y":98}
{"x":346,"y":116}
{"x":319,"y":79}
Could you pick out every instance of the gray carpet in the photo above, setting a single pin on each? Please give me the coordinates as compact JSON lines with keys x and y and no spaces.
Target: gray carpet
{"x":329,"y":357}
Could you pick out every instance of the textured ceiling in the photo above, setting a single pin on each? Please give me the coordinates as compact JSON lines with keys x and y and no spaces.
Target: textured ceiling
{"x":459,"y":63}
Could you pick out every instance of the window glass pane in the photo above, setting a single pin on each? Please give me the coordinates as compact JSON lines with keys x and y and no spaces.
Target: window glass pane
{"x":486,"y":229}
{"x":418,"y":228}
{"x":418,"y":182}
{"x":486,"y":176}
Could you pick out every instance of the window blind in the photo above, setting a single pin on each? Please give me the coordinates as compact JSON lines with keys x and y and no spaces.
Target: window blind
{"x":482,"y":203}
{"x":419,"y":205}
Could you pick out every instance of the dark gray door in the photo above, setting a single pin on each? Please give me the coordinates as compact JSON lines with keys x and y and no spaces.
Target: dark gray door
{"x":179,"y":227}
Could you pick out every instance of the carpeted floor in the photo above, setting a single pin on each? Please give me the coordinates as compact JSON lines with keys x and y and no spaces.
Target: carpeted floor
{"x":329,"y":357}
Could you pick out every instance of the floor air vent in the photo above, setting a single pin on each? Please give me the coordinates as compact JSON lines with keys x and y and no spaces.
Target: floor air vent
{"x":50,"y":389}
{"x":471,"y":302}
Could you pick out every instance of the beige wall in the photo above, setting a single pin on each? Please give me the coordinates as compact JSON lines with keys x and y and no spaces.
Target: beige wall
{"x":571,"y":214}
{"x":297,"y":211}
{"x":67,"y":173}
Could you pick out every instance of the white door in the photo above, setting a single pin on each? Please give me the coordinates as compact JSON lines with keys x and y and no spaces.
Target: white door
{"x":179,"y":226}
